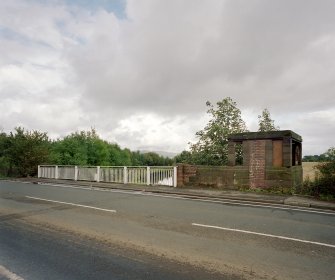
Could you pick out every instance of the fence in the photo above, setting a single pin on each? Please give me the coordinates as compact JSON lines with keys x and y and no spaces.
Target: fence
{"x":144,"y":175}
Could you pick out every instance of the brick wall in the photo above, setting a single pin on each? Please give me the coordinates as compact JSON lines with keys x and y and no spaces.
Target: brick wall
{"x":220,"y":177}
{"x":184,"y":172}
{"x":257,"y":163}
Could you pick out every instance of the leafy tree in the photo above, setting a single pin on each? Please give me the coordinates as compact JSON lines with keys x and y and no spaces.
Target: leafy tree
{"x":4,"y":162}
{"x":3,"y":138}
{"x":25,"y":150}
{"x":330,"y":154}
{"x":71,"y":150}
{"x":212,"y":145}
{"x":154,"y":159}
{"x":126,"y":157}
{"x":265,"y":122}
{"x":81,"y":148}
{"x":97,"y":149}
{"x":137,"y":158}
{"x":184,"y":157}
{"x":116,"y":156}
{"x":149,"y":158}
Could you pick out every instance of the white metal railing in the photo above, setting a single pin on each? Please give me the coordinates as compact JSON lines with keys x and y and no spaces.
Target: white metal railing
{"x":111,"y":174}
{"x":65,"y":172}
{"x":143,"y":175}
{"x":47,"y":171}
{"x":162,"y":176}
{"x":137,"y":175}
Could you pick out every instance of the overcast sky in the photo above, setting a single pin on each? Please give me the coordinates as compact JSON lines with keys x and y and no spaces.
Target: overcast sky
{"x":141,"y":71}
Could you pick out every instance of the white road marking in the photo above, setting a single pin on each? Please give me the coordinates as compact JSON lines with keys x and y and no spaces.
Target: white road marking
{"x":265,"y":234}
{"x":8,"y":274}
{"x":196,"y":198}
{"x":73,"y":204}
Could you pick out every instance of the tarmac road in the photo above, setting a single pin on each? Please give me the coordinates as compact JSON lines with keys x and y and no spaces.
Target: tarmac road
{"x":35,"y":253}
{"x":81,"y":233}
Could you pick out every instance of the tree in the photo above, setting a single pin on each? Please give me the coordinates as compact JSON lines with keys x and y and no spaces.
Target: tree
{"x":183,"y":157}
{"x":212,"y":145}
{"x":4,"y":163}
{"x":330,"y":154}
{"x":265,"y":122}
{"x":25,"y":150}
{"x":97,"y":149}
{"x":115,"y":155}
{"x":71,"y":150}
{"x":81,"y":148}
{"x":3,"y":138}
{"x":126,"y":156}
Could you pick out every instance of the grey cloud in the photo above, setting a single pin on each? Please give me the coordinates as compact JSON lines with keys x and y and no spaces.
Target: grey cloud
{"x":166,"y":59}
{"x":173,"y":56}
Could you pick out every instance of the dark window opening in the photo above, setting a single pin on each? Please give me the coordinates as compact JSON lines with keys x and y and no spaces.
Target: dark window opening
{"x":296,"y":153}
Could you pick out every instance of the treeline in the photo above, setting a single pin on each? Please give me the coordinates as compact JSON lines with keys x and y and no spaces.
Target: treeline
{"x":317,"y":158}
{"x":21,"y":151}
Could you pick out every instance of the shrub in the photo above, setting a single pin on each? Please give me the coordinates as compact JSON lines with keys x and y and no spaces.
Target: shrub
{"x":324,"y":183}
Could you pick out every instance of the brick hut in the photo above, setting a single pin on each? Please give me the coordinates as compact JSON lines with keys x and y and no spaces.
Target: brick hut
{"x":273,"y":159}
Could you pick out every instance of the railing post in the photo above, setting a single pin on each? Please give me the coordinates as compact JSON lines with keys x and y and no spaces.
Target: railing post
{"x":56,"y":172}
{"x":125,"y":175}
{"x":38,"y":171}
{"x":148,"y":175}
{"x":98,"y":173}
{"x":76,"y":173}
{"x":175,"y":176}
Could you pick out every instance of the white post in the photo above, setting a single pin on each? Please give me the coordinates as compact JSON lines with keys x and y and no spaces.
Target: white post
{"x":148,"y":175}
{"x":125,"y":175}
{"x":56,"y":172}
{"x":38,"y":171}
{"x":98,"y":173}
{"x":76,"y":173}
{"x":175,"y":176}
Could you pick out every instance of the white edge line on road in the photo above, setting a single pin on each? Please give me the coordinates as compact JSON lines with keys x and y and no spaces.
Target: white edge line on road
{"x":265,"y":234}
{"x":73,"y":204}
{"x":8,"y":274}
{"x":218,"y":201}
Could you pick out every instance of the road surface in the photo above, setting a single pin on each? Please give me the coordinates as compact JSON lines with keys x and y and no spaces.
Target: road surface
{"x":66,"y":232}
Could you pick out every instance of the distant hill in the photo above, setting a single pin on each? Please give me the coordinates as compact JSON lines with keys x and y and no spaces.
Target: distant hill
{"x":161,"y":153}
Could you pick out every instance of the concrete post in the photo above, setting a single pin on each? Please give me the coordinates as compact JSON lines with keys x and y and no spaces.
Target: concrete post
{"x":125,"y":175}
{"x":98,"y":174}
{"x":175,"y":176}
{"x":56,"y":172}
{"x":76,"y":173}
{"x":148,"y":175}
